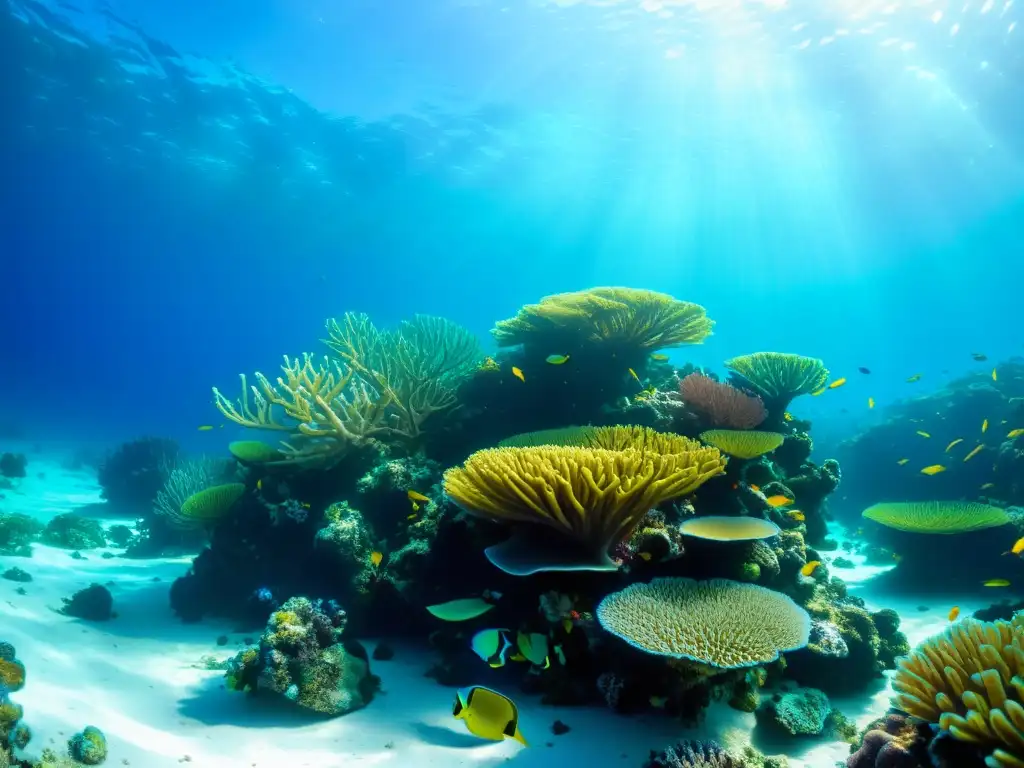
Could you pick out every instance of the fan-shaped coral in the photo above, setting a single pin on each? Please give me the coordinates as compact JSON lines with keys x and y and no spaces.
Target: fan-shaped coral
{"x":778,"y":377}
{"x":936,"y":516}
{"x":718,"y":623}
{"x":721,"y":404}
{"x":592,"y":498}
{"x":970,"y":681}
{"x":616,"y":317}
{"x":743,"y":444}
{"x":737,"y":528}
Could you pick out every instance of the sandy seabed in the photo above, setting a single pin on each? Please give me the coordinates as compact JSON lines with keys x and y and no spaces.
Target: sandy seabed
{"x":140,"y":678}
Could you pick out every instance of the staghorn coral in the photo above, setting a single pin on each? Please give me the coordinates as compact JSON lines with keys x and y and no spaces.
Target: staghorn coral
{"x":417,"y":368}
{"x":717,"y":623}
{"x":722,"y":405}
{"x":943,"y":517}
{"x":326,"y":411}
{"x":777,"y":377}
{"x":616,"y":318}
{"x":592,"y":498}
{"x":743,"y":445}
{"x":968,"y":681}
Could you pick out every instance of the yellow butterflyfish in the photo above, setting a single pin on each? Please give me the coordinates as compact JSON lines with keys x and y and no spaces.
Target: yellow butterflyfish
{"x":810,"y":567}
{"x":556,"y":359}
{"x":633,"y":374}
{"x":797,"y":515}
{"x":518,"y":374}
{"x":976,"y":450}
{"x":871,"y":402}
{"x":376,"y":558}
{"x":837,"y":383}
{"x":955,"y":442}
{"x":488,"y":714}
{"x":995,"y":376}
{"x":1018,"y":546}
{"x":923,"y":434}
{"x":416,"y":496}
{"x":933,"y":469}
{"x":984,"y":426}
{"x":912,"y":379}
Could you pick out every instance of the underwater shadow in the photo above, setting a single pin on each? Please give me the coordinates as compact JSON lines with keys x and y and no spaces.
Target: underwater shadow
{"x":768,"y":740}
{"x":213,"y":704}
{"x":437,"y":736}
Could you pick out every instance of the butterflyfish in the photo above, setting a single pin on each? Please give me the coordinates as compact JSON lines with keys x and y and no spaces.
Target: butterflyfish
{"x":415,"y":496}
{"x":1018,"y":546}
{"x":923,"y":434}
{"x":995,"y":583}
{"x":518,"y":374}
{"x":901,"y":462}
{"x":376,"y":558}
{"x":837,"y":383}
{"x":779,"y":500}
{"x":933,"y":469}
{"x":871,"y":402}
{"x":659,"y":357}
{"x":492,"y":645}
{"x":533,"y":647}
{"x":955,"y":442}
{"x":954,"y":612}
{"x":810,"y":567}
{"x":205,"y":427}
{"x":488,"y":714}
{"x":912,"y":379}
{"x":556,"y":359}
{"x":984,"y":426}
{"x":974,"y":452}
{"x":797,"y":515}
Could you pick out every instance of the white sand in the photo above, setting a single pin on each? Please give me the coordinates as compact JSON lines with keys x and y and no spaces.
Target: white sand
{"x":136,"y":678}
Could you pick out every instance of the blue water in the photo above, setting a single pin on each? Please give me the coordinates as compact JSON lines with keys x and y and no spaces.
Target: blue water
{"x":187,"y":192}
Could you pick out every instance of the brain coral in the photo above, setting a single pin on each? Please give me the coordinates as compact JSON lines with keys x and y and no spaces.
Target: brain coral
{"x":936,"y":516}
{"x":743,"y":445}
{"x":970,"y":681}
{"x":719,"y":623}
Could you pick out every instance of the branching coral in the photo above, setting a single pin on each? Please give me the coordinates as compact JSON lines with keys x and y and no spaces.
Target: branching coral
{"x":592,"y":498}
{"x":946,"y":517}
{"x":326,"y":411}
{"x":721,"y":404}
{"x":417,"y":368}
{"x":617,"y":318}
{"x":778,"y":377}
{"x":718,"y":623}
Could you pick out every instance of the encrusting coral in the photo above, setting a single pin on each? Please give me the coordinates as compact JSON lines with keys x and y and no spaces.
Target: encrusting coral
{"x":718,"y":623}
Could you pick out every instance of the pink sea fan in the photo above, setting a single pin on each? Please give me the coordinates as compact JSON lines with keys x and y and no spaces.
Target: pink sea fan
{"x":721,"y":404}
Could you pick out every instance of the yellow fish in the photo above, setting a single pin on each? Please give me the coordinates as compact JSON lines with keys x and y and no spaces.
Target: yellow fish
{"x":810,"y":567}
{"x":633,"y":374}
{"x":518,"y":374}
{"x":984,"y":426}
{"x":413,"y":516}
{"x":901,"y":462}
{"x":871,"y":402}
{"x":915,"y":377}
{"x":923,"y":434}
{"x":415,"y":506}
{"x":796,"y":514}
{"x":817,"y":392}
{"x":977,"y":449}
{"x":259,"y":484}
{"x":837,"y":383}
{"x":205,"y":428}
{"x":995,"y":583}
{"x":1018,"y":546}
{"x":645,"y":556}
{"x":376,"y":558}
{"x":1015,"y":433}
{"x":416,"y":496}
{"x":488,"y":714}
{"x":955,"y":442}
{"x":659,"y":357}
{"x":933,"y":469}
{"x":787,"y":416}
{"x":556,"y":359}
{"x":995,"y":376}
{"x":779,"y":500}
{"x":954,"y":612}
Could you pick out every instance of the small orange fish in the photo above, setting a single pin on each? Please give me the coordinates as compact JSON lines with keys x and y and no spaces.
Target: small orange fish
{"x":933,"y":469}
{"x":923,"y":434}
{"x":810,"y":567}
{"x":376,"y":558}
{"x":755,"y":488}
{"x":779,"y":500}
{"x":837,"y":383}
{"x":416,"y":496}
{"x":518,"y":374}
{"x":954,"y":612}
{"x":977,"y":449}
{"x":796,"y":514}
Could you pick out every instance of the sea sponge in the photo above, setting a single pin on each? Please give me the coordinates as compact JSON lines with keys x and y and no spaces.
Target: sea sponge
{"x":721,"y":404}
{"x":211,"y":504}
{"x":743,"y":444}
{"x":626,"y":318}
{"x":592,"y":498}
{"x":778,"y":377}
{"x":945,"y":517}
{"x":717,"y":623}
{"x":970,"y":681}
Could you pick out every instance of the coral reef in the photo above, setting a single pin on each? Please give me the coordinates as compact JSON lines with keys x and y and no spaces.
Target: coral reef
{"x":693,"y":754}
{"x":89,"y":746}
{"x":135,"y":472}
{"x":303,"y":657}
{"x":70,"y":531}
{"x":17,"y":532}
{"x":94,"y":603}
{"x":721,"y":405}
